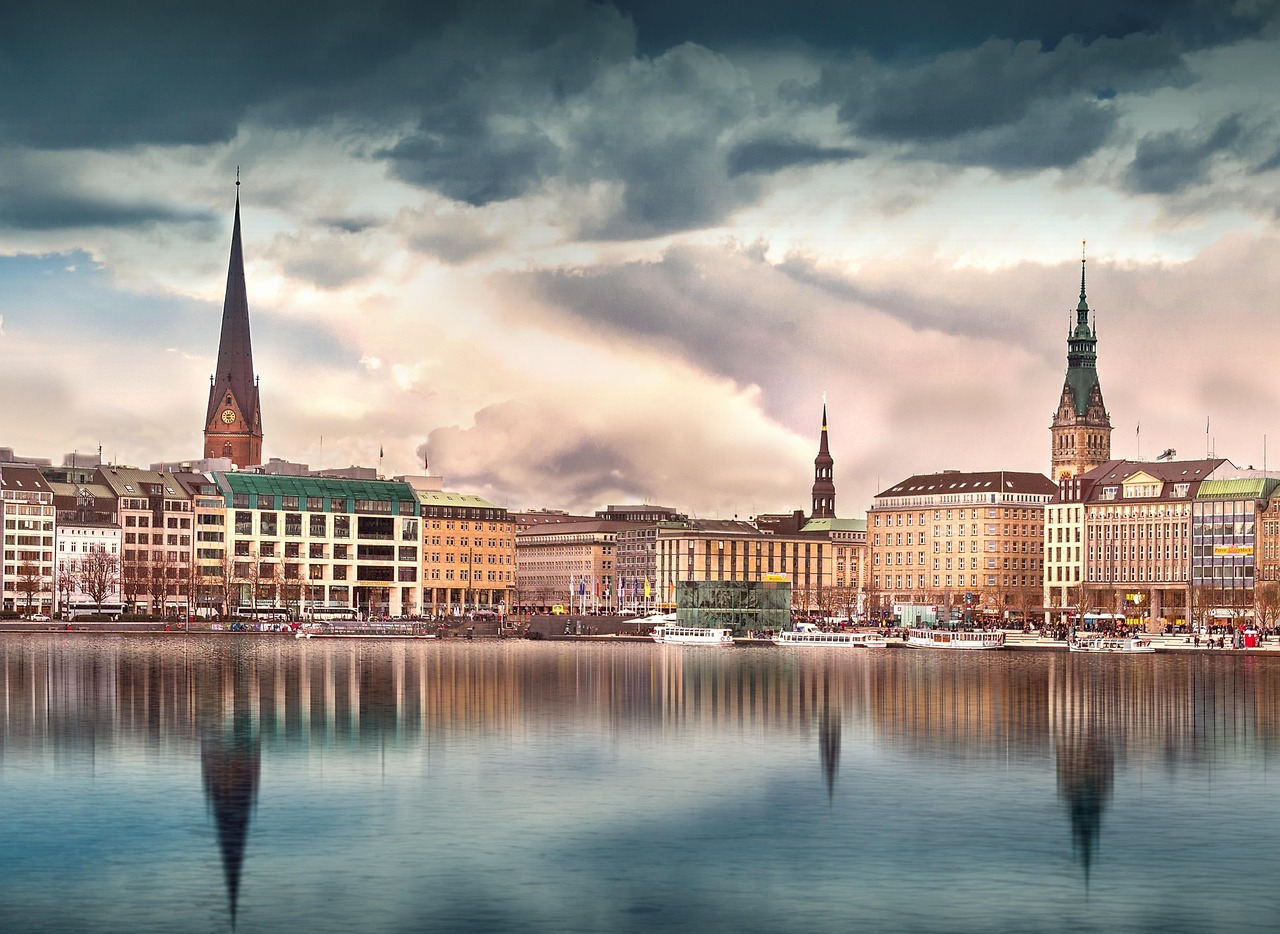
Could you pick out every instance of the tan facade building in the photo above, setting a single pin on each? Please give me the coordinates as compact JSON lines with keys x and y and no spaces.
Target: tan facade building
{"x":155,"y":512}
{"x":972,"y":542}
{"x":821,"y":564}
{"x":468,"y":554}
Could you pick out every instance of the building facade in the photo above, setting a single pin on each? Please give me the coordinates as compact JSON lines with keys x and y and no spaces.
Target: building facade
{"x":468,"y":554}
{"x":155,"y":514}
{"x":568,"y":564}
{"x":297,"y":543}
{"x":27,"y":577}
{"x":962,"y":542}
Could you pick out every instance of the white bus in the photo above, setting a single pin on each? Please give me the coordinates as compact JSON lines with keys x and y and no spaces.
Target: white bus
{"x":112,"y":611}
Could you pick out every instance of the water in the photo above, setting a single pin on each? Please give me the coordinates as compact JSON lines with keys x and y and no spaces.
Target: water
{"x":211,"y":784}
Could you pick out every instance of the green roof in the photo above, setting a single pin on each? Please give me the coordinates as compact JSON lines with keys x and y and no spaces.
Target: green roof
{"x":442,"y":498}
{"x":1246,"y":488}
{"x":835,"y":525}
{"x":331,"y":487}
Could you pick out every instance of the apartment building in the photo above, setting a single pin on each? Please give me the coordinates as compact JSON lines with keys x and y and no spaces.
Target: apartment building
{"x":570,"y":564}
{"x":155,"y":513}
{"x":27,"y":582}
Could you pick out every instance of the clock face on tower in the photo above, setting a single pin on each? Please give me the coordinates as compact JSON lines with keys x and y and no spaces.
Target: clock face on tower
{"x":228,"y":416}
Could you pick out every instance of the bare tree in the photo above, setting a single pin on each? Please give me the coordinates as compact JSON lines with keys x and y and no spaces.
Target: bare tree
{"x":1267,"y":603}
{"x":30,"y":583}
{"x":287,"y":582}
{"x":98,"y":575}
{"x":67,"y":577}
{"x":160,"y":580}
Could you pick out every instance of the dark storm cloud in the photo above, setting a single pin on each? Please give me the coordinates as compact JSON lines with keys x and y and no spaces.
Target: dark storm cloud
{"x":930,"y":27}
{"x":1048,"y":136}
{"x":1169,"y":162}
{"x":113,"y":74}
{"x":41,"y":208}
{"x":477,"y":164}
{"x":1001,"y":84}
{"x":773,"y":155}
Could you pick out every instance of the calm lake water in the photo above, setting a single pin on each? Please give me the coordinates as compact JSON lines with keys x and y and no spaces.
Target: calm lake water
{"x":205,"y":784}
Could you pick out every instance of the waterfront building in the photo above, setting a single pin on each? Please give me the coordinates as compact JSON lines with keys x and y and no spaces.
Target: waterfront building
{"x":211,"y":560}
{"x":570,"y":564}
{"x":730,"y":550}
{"x":971,"y":542}
{"x":1135,"y":539}
{"x":87,"y":537}
{"x":27,"y":572}
{"x":1225,"y":518}
{"x":297,"y":543}
{"x":636,"y":549}
{"x":155,"y":513}
{"x":468,"y":553}
{"x":1081,"y":429}
{"x":233,"y":417}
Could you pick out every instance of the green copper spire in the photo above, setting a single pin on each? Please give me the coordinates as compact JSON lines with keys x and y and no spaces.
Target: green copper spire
{"x":1082,"y":355}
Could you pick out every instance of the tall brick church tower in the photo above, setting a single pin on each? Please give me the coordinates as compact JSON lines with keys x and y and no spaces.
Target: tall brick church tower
{"x":1081,"y":428}
{"x":233,"y":420}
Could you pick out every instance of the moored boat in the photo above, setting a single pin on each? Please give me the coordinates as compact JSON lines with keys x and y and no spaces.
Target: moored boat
{"x":691,"y":635}
{"x":357,"y":631}
{"x":1112,"y":645}
{"x":955,"y":638}
{"x":815,"y":637}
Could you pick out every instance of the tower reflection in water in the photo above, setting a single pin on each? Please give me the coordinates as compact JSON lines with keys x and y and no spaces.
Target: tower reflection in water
{"x":238,"y":703}
{"x":230,"y":754}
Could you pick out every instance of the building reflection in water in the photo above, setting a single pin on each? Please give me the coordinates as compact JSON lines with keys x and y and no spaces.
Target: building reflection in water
{"x":240,"y":701}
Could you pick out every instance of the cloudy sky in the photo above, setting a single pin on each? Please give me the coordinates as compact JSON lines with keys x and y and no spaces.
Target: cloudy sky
{"x":575,"y":253}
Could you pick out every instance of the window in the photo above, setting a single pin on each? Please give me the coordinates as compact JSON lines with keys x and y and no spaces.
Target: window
{"x":319,"y":524}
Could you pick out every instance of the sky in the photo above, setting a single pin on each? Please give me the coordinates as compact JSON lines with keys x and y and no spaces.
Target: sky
{"x":569,"y":254}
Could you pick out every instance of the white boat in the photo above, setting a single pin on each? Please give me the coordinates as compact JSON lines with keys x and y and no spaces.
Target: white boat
{"x":955,"y":638}
{"x":816,"y":637}
{"x":368,"y":631}
{"x":691,"y":635}
{"x":1112,"y":644}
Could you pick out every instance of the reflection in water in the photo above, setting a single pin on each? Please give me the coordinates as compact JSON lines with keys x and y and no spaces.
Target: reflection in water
{"x":239,"y":703}
{"x":229,"y":760}
{"x":1087,"y":700}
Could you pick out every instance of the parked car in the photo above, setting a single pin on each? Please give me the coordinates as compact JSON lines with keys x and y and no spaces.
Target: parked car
{"x":39,"y":618}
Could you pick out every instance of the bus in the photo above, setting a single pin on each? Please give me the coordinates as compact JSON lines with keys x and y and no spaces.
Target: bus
{"x":112,"y":611}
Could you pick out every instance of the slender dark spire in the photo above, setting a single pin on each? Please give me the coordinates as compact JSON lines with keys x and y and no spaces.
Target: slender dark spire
{"x":824,"y":488}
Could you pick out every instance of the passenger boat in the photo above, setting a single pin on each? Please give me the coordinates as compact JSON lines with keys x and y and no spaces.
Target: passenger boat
{"x":955,"y":638}
{"x":691,"y":635}
{"x":356,"y":631}
{"x":1112,"y":644}
{"x":815,"y":637}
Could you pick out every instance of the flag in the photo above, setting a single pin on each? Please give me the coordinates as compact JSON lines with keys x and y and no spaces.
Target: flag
{"x":582,"y":587}
{"x":379,"y":452}
{"x":646,"y":588}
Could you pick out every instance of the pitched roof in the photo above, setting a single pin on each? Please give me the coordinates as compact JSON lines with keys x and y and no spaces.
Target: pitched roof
{"x":1244,"y":488}
{"x":956,"y":481}
{"x":129,"y":481}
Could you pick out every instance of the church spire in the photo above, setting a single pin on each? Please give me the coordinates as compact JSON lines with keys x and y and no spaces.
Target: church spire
{"x":233,"y":422}
{"x":824,"y":488}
